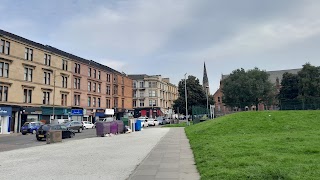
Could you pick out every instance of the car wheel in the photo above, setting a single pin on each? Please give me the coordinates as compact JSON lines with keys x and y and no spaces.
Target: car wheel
{"x":80,"y":130}
{"x":39,"y":139}
{"x":24,"y":133}
{"x":71,"y":135}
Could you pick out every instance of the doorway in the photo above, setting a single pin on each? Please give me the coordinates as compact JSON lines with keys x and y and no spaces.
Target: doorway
{"x":13,"y":121}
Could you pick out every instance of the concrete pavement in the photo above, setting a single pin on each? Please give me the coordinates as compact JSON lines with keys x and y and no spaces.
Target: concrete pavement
{"x":172,"y":158}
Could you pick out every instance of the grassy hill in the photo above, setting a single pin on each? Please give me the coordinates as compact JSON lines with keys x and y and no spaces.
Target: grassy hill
{"x":258,"y":145}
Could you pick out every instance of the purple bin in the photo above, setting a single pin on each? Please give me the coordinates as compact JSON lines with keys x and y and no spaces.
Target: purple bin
{"x":120,"y":127}
{"x":114,"y":127}
{"x":103,"y":128}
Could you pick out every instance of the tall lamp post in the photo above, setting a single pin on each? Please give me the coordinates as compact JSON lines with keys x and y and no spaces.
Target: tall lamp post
{"x":207,"y":87}
{"x":186,"y":97}
{"x":54,"y":95}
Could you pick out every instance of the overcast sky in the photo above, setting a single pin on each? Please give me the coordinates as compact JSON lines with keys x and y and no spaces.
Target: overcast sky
{"x":174,"y":37}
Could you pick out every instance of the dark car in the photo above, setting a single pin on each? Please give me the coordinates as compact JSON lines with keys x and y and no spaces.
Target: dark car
{"x":75,"y":125}
{"x":42,"y":131}
{"x":30,"y":127}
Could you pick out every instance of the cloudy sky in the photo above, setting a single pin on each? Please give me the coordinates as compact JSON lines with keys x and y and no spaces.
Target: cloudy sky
{"x":174,"y":37}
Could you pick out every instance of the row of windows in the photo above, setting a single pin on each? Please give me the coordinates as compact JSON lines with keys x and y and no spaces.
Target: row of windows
{"x":151,"y":103}
{"x":4,"y":47}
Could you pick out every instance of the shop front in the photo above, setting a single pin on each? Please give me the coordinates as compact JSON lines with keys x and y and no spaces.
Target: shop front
{"x":77,"y":114}
{"x":88,"y":115}
{"x":31,"y":114}
{"x":59,"y":113}
{"x":100,"y":113}
{"x":5,"y":119}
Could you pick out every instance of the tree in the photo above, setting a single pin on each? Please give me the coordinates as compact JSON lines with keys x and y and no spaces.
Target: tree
{"x":309,"y":85}
{"x":196,"y":95}
{"x":241,"y":88}
{"x":289,"y":91}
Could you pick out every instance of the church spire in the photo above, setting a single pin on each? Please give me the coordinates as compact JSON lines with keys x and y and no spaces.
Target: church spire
{"x":205,"y":81}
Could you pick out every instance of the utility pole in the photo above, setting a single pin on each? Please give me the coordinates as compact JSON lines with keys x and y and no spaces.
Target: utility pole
{"x":186,"y":97}
{"x":54,"y":93}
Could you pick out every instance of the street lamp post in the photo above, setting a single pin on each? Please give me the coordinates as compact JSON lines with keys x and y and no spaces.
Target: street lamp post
{"x":54,"y":94}
{"x":186,"y":97}
{"x":207,"y":87}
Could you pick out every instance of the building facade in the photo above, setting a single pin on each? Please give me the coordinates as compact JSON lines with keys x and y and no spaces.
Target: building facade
{"x":275,"y":77}
{"x":153,"y":95}
{"x":40,"y":82}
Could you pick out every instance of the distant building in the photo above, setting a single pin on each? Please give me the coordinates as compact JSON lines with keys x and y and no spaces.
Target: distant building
{"x":153,"y":95}
{"x":205,"y":80}
{"x":275,"y":77}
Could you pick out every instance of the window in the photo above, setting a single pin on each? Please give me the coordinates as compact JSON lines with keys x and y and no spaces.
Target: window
{"x":141,"y":84}
{"x":5,"y":47}
{"x":152,"y":93}
{"x":46,"y":98}
{"x":47,"y":59}
{"x":28,"y":74}
{"x":122,"y":91}
{"x":152,"y":102}
{"x":76,"y":99}
{"x":99,"y":88}
{"x":76,"y":84}
{"x":108,"y":103}
{"x":64,"y":81}
{"x":94,"y":73}
{"x":141,"y":94}
{"x":4,"y":69}
{"x":115,"y":90}
{"x":141,"y":103}
{"x":219,"y":99}
{"x":108,"y":77}
{"x":94,"y":102}
{"x":89,"y":86}
{"x":134,"y":84}
{"x":94,"y":87}
{"x":3,"y":93}
{"x":64,"y":65}
{"x":89,"y":72}
{"x":134,"y":103}
{"x":63,"y":100}
{"x":77,"y":68}
{"x":153,"y":84}
{"x":115,"y":102}
{"x":99,"y":75}
{"x":115,"y":79}
{"x":99,"y":102}
{"x":89,"y":101}
{"x":122,"y":103}
{"x":27,"y":95}
{"x":122,"y":80}
{"x":46,"y":78}
{"x":28,"y":54}
{"x":108,"y":90}
{"x":134,"y":94}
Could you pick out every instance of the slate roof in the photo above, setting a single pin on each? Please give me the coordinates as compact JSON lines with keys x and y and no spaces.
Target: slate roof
{"x":59,"y":52}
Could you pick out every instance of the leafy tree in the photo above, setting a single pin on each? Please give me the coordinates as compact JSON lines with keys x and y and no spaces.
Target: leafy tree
{"x":249,"y":88}
{"x":289,"y":91}
{"x":196,"y":95}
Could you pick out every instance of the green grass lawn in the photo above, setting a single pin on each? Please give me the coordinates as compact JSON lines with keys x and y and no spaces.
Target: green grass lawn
{"x":258,"y":145}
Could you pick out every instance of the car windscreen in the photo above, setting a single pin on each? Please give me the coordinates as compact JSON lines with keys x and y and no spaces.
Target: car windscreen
{"x":45,"y":127}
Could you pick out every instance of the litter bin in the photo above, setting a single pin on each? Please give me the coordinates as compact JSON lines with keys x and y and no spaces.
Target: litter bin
{"x":138,"y":125}
{"x":121,"y":127}
{"x":125,"y":121}
{"x":54,"y":136}
{"x":114,"y":127}
{"x":103,"y":128}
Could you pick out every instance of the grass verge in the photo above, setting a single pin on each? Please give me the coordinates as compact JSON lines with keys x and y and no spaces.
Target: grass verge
{"x":258,"y":145}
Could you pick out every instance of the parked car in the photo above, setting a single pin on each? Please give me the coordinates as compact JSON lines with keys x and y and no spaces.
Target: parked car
{"x":42,"y":131}
{"x":30,"y":127}
{"x":160,"y":120}
{"x":75,"y":125}
{"x":144,"y":121}
{"x":153,"y":122}
{"x":88,"y":124}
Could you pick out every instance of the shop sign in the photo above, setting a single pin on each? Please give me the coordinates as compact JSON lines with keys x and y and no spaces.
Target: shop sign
{"x":109,"y":112}
{"x":76,"y":112}
{"x":5,"y":111}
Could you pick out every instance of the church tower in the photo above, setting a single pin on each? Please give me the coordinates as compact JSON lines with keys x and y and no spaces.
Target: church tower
{"x":205,"y":81}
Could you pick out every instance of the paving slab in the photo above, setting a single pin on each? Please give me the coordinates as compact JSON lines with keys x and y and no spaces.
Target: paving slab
{"x":172,"y":158}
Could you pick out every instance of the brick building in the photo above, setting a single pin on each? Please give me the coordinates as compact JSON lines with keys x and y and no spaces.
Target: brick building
{"x":38,"y":81}
{"x":275,"y":78}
